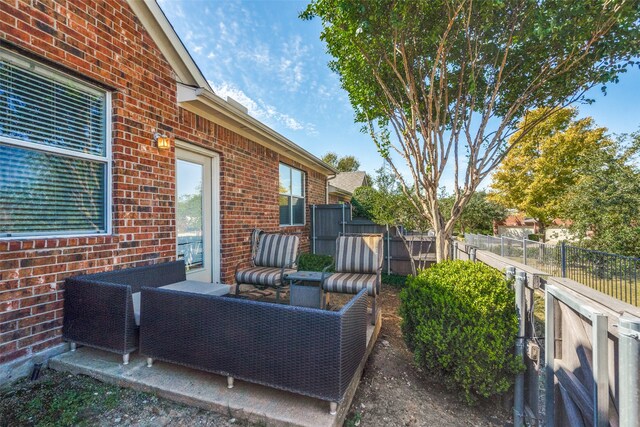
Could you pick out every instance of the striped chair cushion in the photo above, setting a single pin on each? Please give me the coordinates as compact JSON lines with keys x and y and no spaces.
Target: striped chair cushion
{"x":359,"y":254}
{"x":276,"y":250}
{"x":266,"y":276}
{"x":350,"y":283}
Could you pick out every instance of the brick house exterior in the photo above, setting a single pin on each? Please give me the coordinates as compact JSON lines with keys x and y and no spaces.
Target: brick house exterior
{"x":130,"y":50}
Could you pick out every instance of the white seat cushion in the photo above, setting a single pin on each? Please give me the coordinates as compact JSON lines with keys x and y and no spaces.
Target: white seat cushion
{"x":193,"y":286}
{"x":136,"y":306}
{"x":196,"y":287}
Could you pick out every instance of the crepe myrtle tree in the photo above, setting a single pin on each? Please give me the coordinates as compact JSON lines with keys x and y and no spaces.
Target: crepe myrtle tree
{"x":443,"y":84}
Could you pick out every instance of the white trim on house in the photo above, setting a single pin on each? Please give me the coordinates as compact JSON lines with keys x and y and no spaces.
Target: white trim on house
{"x":106,"y":159}
{"x":215,"y":232}
{"x":210,"y":106}
{"x":290,"y":195}
{"x":163,"y":34}
{"x":196,"y":95}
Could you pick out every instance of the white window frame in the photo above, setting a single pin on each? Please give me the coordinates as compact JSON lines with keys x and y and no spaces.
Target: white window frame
{"x":290,"y":195}
{"x":106,"y":159}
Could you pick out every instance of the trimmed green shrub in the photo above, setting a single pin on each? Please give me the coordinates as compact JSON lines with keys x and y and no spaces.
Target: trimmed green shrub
{"x":314,"y":262}
{"x":459,"y":319}
{"x":395,"y":280}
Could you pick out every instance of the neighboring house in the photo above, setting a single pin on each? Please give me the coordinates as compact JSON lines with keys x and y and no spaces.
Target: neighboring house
{"x":343,"y":185}
{"x":519,"y":226}
{"x":90,"y":92}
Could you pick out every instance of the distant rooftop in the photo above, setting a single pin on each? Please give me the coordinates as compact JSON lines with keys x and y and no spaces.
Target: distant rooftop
{"x":349,"y":181}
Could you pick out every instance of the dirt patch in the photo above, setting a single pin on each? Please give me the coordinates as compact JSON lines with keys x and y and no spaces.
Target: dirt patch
{"x":60,"y":399}
{"x":394,"y":392}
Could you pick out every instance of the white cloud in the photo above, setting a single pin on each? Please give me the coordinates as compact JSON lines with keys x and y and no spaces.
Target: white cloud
{"x":198,"y":49}
{"x":260,"y":109}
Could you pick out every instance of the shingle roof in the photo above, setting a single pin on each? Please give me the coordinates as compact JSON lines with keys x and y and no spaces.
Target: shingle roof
{"x":349,"y":181}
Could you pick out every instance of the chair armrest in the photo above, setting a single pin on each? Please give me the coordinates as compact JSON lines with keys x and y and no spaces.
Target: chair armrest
{"x":324,"y":274}
{"x":99,"y":314}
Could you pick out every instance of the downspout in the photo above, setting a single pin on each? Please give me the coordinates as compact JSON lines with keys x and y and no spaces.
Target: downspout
{"x":326,"y":191}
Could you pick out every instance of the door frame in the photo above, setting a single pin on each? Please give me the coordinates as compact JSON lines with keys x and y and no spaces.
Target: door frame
{"x":216,"y":249}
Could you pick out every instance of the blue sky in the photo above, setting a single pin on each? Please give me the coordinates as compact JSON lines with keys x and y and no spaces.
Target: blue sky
{"x":261,"y":54}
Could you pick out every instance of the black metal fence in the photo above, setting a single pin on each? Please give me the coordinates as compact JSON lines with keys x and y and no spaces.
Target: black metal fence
{"x":612,"y":274}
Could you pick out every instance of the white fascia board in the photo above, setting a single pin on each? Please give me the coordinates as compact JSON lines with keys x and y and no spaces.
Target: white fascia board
{"x":161,"y":31}
{"x":209,"y":105}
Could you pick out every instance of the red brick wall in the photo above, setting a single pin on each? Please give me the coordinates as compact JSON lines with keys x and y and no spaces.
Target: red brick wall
{"x":249,"y":183}
{"x":102,"y":42}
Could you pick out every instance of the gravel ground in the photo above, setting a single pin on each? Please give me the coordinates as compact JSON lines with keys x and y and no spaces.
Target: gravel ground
{"x":394,"y":392}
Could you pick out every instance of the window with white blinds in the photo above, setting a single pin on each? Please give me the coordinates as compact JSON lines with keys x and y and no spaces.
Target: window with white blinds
{"x":54,"y":152}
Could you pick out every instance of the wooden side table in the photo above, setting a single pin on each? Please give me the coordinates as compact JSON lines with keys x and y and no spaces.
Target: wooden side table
{"x":305,"y":288}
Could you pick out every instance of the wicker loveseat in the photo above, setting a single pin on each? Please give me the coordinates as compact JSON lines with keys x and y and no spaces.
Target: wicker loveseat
{"x":102,"y":310}
{"x":303,"y":350}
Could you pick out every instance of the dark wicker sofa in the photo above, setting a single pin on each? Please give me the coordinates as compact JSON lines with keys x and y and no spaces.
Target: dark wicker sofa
{"x":99,"y":308}
{"x":304,"y":350}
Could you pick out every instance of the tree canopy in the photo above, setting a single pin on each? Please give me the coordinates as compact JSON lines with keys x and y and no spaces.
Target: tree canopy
{"x":537,"y":174}
{"x":445,"y":82}
{"x":342,"y":164}
{"x":604,"y":206}
{"x":479,"y":214}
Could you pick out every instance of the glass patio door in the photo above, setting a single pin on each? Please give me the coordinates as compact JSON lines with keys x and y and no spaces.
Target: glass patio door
{"x":194,"y":213}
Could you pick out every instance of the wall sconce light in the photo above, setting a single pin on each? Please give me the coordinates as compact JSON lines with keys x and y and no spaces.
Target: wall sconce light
{"x":163,"y":142}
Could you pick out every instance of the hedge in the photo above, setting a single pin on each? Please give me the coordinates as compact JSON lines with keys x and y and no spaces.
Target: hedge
{"x":459,"y":319}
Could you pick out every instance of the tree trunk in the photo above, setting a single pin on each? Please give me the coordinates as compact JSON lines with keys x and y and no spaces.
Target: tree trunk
{"x":443,"y":241}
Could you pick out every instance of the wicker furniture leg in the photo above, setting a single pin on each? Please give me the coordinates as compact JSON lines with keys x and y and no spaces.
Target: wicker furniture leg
{"x":333,"y":408}
{"x":72,"y":345}
{"x":125,"y":359}
{"x":149,"y":362}
{"x":229,"y":382}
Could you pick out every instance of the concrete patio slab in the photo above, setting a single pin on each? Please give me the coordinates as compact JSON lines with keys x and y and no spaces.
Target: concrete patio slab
{"x":245,"y":401}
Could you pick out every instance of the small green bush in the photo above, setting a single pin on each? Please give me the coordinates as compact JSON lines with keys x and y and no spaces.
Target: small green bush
{"x":395,"y":280}
{"x":314,"y":262}
{"x":459,"y":319}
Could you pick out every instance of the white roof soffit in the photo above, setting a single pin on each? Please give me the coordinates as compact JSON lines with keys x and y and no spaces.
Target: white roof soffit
{"x":163,"y":34}
{"x":207,"y":104}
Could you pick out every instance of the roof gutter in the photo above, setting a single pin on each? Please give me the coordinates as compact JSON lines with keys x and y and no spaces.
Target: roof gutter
{"x":207,"y":104}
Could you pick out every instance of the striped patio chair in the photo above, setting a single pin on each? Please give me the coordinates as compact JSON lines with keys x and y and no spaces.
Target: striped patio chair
{"x":358,"y":265}
{"x":274,"y":256}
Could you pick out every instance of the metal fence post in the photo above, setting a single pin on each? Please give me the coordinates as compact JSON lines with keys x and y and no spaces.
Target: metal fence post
{"x":388,"y":250}
{"x":563,"y":259}
{"x":549,"y":358}
{"x":313,"y":229}
{"x":518,"y":404}
{"x":455,"y":250}
{"x":510,"y":273}
{"x":629,"y":348}
{"x":501,"y":246}
{"x":524,"y":250}
{"x":472,"y":254}
{"x":600,"y":339}
{"x":343,"y":220}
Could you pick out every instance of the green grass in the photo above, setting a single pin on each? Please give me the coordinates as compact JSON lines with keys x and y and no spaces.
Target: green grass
{"x":58,"y":399}
{"x":353,"y":421}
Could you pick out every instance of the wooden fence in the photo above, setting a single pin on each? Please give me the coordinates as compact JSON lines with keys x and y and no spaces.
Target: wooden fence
{"x":590,"y":348}
{"x":329,"y":221}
